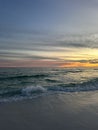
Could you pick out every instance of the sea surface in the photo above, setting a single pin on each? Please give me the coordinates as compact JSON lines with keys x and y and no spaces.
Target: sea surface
{"x":28,"y":83}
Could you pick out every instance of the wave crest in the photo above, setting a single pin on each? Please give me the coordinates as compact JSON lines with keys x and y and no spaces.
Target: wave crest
{"x":33,"y":89}
{"x":24,"y":76}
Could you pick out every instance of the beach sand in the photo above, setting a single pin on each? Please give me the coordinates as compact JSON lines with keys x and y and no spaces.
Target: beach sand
{"x":67,"y":111}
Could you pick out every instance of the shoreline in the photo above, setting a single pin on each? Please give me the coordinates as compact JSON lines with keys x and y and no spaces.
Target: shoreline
{"x":70,"y":111}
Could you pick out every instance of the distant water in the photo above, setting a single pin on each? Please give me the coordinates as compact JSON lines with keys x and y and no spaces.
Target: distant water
{"x":23,"y":83}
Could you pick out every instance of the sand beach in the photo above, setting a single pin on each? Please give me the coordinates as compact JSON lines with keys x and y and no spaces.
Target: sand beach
{"x":66,"y":111}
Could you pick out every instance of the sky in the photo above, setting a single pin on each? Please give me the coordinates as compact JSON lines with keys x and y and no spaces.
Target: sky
{"x":48,"y":33}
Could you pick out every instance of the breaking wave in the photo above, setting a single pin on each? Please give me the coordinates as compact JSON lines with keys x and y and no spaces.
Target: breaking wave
{"x":12,"y":93}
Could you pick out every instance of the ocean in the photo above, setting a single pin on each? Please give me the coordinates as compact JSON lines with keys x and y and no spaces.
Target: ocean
{"x":27,"y":83}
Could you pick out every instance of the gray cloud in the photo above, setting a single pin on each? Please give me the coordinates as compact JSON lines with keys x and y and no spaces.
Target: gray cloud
{"x":19,"y":46}
{"x":21,"y":55}
{"x":93,"y":61}
{"x":10,"y":29}
{"x":75,"y":45}
{"x":44,"y":41}
{"x":78,"y":41}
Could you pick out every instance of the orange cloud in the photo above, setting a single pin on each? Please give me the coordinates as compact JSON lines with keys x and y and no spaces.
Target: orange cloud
{"x":79,"y":64}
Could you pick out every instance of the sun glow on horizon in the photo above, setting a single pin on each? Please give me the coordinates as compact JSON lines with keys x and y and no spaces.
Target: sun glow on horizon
{"x":79,"y":64}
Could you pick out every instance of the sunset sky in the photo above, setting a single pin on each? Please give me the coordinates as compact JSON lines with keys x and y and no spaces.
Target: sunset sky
{"x":48,"y":33}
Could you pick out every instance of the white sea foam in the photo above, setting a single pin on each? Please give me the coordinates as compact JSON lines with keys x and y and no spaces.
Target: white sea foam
{"x":30,"y":89}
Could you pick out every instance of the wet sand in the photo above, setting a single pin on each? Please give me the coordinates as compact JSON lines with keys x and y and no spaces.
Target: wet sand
{"x":69,"y":111}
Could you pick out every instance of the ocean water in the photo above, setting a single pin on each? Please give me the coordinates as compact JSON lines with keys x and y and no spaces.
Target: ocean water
{"x":27,"y":83}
